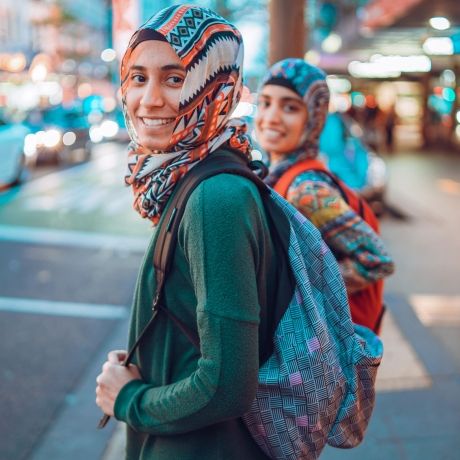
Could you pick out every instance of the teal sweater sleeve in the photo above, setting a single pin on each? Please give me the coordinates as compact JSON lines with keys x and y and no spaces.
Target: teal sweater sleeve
{"x":219,"y":235}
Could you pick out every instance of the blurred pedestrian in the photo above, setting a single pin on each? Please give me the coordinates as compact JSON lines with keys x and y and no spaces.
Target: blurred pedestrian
{"x":292,"y":108}
{"x":389,"y":126}
{"x":373,"y":123}
{"x":181,"y":78}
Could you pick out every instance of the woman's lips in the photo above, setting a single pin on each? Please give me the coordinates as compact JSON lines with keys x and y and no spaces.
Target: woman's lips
{"x":155,"y":122}
{"x":271,"y":134}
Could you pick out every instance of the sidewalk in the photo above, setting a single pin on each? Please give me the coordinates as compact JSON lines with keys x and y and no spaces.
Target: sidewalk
{"x":417,"y":413}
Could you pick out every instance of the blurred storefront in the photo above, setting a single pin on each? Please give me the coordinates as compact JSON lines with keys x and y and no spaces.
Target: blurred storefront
{"x":50,"y":52}
{"x":401,"y":60}
{"x":396,"y":63}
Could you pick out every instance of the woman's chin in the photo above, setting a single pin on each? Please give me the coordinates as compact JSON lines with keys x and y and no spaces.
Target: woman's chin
{"x":271,"y":146}
{"x":152,"y":144}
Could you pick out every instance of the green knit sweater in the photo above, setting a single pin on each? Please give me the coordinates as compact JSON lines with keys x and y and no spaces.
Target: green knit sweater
{"x":222,"y":282}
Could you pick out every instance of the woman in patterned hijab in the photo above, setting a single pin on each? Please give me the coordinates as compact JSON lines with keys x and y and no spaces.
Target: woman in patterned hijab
{"x":209,"y":56}
{"x":181,"y":79}
{"x":305,"y":105}
{"x":292,"y":108}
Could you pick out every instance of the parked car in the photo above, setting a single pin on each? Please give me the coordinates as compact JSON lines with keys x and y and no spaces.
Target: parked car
{"x":122,"y":133}
{"x":111,"y":127}
{"x":59,"y":134}
{"x":12,"y":159}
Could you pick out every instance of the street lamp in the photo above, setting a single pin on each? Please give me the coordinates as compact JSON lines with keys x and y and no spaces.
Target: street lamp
{"x":108,"y":55}
{"x":332,"y":43}
{"x":439,"y":23}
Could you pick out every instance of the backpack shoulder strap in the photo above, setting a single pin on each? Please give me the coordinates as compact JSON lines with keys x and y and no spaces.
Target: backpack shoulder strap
{"x":358,"y":204}
{"x":285,"y":181}
{"x":211,"y":166}
{"x":167,"y":236}
{"x":167,"y":232}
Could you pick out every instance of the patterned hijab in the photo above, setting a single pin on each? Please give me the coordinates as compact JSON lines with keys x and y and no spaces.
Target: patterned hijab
{"x":309,"y":83}
{"x":211,"y":50}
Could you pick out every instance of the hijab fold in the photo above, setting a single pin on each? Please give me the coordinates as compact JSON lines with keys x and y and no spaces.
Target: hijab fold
{"x":211,"y":50}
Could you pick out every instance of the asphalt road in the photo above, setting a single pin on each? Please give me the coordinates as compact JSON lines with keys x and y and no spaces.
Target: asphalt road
{"x":70,"y":248}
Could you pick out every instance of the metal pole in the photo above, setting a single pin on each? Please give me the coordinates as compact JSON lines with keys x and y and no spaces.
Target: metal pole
{"x":287,"y":29}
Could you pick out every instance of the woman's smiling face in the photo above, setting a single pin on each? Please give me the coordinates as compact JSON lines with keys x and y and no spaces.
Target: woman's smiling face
{"x":155,"y":79}
{"x":281,"y":119}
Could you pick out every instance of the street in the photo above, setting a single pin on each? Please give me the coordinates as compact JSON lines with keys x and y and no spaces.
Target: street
{"x":70,"y":248}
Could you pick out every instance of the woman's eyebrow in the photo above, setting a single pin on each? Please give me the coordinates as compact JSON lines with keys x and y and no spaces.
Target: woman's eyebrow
{"x":138,"y":68}
{"x":291,"y":99}
{"x":173,"y":67}
{"x":166,"y":67}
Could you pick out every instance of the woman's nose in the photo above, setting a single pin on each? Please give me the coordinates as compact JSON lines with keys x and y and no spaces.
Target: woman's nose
{"x":153,"y":96}
{"x":272,"y":114}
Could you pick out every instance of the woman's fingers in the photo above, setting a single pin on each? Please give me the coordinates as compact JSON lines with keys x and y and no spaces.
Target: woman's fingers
{"x":117,"y":356}
{"x":134,"y":370}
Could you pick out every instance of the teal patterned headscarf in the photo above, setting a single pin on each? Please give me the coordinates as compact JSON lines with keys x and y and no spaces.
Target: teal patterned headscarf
{"x":309,"y":82}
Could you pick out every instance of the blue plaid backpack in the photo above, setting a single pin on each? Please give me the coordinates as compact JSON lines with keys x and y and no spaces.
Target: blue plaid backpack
{"x":317,"y":385}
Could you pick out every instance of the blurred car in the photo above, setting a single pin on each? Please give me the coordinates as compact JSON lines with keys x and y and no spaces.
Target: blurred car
{"x":12,"y":160}
{"x":348,"y":157}
{"x":122,"y":134}
{"x":110,"y":127}
{"x":59,"y":134}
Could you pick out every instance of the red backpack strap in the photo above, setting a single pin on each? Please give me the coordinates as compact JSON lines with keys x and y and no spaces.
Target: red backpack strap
{"x":358,"y":204}
{"x":285,"y":181}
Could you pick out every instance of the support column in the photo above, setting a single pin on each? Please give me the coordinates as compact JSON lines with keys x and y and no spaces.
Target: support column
{"x":287,"y":29}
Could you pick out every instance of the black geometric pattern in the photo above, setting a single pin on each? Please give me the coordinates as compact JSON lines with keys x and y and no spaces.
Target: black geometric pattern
{"x":318,"y":385}
{"x":192,"y":24}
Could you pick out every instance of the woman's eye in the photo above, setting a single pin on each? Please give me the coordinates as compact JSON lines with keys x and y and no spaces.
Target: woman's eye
{"x":263,"y":104}
{"x":291,"y":108}
{"x":175,"y":80}
{"x":137,"y":78}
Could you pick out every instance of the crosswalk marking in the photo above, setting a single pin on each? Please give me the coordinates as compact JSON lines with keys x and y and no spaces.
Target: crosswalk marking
{"x":437,"y":310}
{"x":401,"y":367}
{"x":72,"y":238}
{"x":54,"y":308}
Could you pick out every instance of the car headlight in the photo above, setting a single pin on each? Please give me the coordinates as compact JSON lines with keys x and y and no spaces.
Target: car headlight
{"x":30,"y":145}
{"x":109,"y":128}
{"x":69,"y":138}
{"x":51,"y":138}
{"x":95,"y":134}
